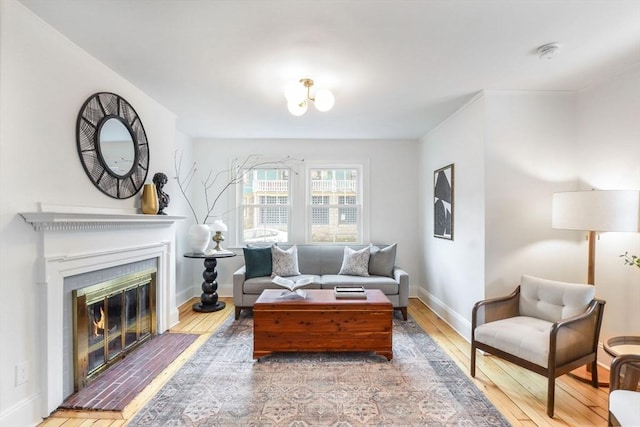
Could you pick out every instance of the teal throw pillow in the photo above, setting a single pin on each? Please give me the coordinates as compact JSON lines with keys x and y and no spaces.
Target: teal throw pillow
{"x":257,"y":262}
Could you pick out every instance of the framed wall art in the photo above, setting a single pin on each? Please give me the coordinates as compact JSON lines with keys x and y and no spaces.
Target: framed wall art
{"x":443,"y":202}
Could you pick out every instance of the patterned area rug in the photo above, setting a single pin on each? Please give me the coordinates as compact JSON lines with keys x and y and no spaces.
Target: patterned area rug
{"x":222,"y":385}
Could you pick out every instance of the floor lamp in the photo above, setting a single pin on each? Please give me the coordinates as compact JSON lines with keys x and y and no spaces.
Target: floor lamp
{"x":596,"y":211}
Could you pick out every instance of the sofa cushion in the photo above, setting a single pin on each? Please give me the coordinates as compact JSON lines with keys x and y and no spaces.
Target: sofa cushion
{"x":382,"y":261}
{"x":551,"y":300}
{"x":387,"y":285}
{"x":355,"y":263}
{"x":284,"y":262}
{"x":257,"y":261}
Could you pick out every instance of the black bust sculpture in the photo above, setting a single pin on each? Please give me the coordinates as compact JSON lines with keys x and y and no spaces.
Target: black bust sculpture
{"x":160,"y":179}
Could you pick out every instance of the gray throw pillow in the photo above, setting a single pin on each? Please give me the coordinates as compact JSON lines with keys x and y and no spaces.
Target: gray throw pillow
{"x":284,"y":263}
{"x":381,"y":261}
{"x":355,"y":263}
{"x":257,"y":261}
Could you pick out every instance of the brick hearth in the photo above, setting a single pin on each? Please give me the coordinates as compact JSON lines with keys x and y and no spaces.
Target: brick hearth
{"x":117,"y":386}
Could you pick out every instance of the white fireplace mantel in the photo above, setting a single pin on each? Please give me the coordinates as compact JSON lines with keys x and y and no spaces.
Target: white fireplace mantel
{"x":61,"y":221}
{"x":76,"y":240}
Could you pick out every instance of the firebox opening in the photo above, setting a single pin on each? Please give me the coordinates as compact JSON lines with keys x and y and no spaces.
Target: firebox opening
{"x":109,"y":320}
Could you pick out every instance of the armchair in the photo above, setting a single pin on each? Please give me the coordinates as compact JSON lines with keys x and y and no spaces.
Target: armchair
{"x":624,"y":396}
{"x":545,"y":326}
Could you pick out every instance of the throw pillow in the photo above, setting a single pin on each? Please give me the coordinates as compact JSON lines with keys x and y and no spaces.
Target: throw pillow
{"x":355,"y":263}
{"x":284,"y":263}
{"x":257,"y":261}
{"x":382,"y":261}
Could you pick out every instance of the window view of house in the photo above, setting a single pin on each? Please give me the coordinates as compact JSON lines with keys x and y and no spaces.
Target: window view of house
{"x":334,"y":206}
{"x":266,"y":206}
{"x":335,"y":211}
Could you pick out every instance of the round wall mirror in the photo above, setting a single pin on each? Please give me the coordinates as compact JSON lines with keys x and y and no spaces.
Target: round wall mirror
{"x":112,"y":145}
{"x":116,"y":146}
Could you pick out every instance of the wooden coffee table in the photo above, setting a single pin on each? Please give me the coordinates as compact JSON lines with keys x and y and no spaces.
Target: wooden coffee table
{"x":322,"y":323}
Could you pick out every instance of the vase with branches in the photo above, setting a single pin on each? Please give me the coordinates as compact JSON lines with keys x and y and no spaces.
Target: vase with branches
{"x":216,"y":184}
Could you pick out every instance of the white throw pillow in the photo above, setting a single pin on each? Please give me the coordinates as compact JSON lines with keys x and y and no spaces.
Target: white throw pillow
{"x":284,"y":263}
{"x":355,"y":263}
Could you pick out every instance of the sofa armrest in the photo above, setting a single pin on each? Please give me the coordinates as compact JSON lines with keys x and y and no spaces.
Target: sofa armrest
{"x":238,"y":285}
{"x":402,"y":277}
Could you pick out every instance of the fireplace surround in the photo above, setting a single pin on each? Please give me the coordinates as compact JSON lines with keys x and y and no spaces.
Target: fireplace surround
{"x":110,"y":319}
{"x":74,"y":241}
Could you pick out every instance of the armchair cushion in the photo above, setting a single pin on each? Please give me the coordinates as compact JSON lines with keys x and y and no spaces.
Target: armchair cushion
{"x":524,"y":337}
{"x":552,"y":300}
{"x":624,"y":405}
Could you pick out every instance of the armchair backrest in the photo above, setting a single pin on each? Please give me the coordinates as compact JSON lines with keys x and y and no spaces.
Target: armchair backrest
{"x":552,"y":300}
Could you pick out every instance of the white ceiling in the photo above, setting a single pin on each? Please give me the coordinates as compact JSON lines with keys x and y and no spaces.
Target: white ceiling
{"x":397,"y":68}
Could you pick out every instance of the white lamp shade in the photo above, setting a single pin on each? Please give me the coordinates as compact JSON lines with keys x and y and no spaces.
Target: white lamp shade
{"x":597,"y":210}
{"x":324,"y":100}
{"x":218,"y":225}
{"x":297,"y":109}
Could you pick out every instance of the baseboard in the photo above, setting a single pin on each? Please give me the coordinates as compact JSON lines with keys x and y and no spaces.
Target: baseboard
{"x":24,"y":413}
{"x":457,"y":322}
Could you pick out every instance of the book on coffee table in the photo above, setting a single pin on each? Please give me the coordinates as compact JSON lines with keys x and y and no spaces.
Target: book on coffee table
{"x":356,"y":292}
{"x":291,"y":284}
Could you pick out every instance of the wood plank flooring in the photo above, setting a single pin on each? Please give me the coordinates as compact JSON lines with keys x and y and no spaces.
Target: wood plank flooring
{"x":517,"y":393}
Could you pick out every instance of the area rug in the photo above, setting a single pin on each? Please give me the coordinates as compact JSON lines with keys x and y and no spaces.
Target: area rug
{"x":221,"y":385}
{"x":117,"y":386}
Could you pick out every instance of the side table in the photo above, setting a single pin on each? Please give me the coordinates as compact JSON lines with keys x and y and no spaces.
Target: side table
{"x":209,"y":298}
{"x":616,"y":346}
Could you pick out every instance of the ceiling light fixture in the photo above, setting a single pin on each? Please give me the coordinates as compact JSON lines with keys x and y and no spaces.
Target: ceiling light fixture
{"x":298,"y":98}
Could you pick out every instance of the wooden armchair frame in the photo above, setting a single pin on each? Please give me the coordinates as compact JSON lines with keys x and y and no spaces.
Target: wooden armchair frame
{"x":559,"y":362}
{"x":624,"y":375}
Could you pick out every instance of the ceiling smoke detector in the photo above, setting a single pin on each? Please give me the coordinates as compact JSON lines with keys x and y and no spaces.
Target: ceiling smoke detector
{"x":547,"y":51}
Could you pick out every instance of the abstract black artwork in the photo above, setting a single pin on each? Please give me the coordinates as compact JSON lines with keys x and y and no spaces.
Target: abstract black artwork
{"x":443,"y":202}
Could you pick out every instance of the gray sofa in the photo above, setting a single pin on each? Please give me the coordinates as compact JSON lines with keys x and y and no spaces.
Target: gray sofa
{"x":324,"y":262}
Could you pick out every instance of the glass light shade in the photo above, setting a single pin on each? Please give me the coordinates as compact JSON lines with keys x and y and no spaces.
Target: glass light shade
{"x":324,"y":100}
{"x":295,"y":93}
{"x":218,"y":225}
{"x":296,"y":109}
{"x":597,"y":210}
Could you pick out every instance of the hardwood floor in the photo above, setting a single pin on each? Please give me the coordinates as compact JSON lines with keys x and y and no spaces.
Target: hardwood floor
{"x":519,"y":394}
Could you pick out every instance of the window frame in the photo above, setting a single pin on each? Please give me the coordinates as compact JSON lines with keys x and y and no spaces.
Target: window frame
{"x":299,"y":227}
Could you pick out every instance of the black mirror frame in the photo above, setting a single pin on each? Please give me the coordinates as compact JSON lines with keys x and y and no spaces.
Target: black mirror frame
{"x":95,"y":111}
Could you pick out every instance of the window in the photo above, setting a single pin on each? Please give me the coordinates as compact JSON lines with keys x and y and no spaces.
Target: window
{"x":272,"y":207}
{"x":265,"y":206}
{"x":319,"y":215}
{"x":347,"y":215}
{"x":334,"y":189}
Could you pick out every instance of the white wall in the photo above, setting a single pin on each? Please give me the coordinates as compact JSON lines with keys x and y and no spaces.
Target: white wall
{"x":608,"y":123}
{"x":453,"y":270}
{"x":530,"y":154}
{"x":44,"y":79}
{"x":392,"y":198}
{"x":535,"y":144}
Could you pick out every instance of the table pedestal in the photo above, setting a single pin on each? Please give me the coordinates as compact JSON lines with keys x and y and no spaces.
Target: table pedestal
{"x":209,"y":298}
